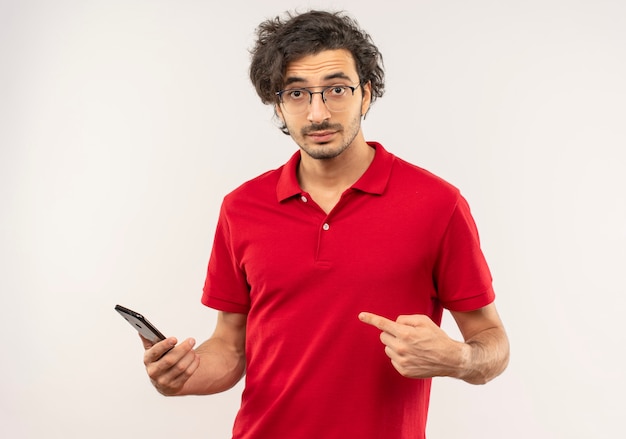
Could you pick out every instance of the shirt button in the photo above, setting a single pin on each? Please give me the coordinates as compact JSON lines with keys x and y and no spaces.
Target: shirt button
{"x":325,"y":226}
{"x":304,"y":199}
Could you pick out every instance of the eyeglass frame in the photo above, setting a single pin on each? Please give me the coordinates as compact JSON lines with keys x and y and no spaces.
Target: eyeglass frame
{"x":311,"y":93}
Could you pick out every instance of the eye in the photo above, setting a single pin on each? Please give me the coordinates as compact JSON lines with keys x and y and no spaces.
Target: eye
{"x":336,"y":91}
{"x":296,"y":94}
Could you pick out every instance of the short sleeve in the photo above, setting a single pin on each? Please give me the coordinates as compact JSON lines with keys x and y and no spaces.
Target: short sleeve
{"x":225,"y":287}
{"x":462,"y":276}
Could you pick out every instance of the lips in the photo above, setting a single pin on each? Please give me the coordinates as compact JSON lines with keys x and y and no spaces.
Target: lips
{"x":321,"y":136}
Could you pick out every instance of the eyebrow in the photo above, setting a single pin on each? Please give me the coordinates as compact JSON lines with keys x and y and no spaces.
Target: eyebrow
{"x":338,"y":75}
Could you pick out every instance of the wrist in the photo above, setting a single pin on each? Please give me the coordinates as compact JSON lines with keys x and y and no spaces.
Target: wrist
{"x":465,"y":361}
{"x":457,"y":361}
{"x":470,"y":369}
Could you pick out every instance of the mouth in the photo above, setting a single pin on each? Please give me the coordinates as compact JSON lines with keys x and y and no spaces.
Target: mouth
{"x":321,"y":136}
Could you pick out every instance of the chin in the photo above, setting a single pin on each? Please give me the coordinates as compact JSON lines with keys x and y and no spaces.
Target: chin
{"x":323,"y":153}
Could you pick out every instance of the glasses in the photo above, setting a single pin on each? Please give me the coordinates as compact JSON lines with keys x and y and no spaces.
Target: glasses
{"x":297,"y":100}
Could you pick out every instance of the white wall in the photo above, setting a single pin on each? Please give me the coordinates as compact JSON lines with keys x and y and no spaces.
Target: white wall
{"x":123,"y":123}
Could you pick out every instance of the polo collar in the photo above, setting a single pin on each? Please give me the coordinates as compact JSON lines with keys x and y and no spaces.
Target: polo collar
{"x":373,"y":181}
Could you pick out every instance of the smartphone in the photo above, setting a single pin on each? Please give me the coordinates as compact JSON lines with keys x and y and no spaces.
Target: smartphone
{"x":141,"y":324}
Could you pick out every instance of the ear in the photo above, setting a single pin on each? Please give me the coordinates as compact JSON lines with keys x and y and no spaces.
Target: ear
{"x":367,"y":98}
{"x":279,"y":113}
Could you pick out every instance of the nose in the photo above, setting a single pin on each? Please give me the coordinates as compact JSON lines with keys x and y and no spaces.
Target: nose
{"x":318,"y":112}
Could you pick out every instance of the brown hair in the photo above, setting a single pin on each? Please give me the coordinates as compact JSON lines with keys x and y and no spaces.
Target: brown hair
{"x":281,"y":41}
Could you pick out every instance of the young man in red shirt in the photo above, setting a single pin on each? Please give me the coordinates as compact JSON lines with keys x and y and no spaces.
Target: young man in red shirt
{"x":318,"y":262}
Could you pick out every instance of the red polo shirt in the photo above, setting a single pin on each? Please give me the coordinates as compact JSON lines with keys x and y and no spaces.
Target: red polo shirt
{"x":399,"y":241}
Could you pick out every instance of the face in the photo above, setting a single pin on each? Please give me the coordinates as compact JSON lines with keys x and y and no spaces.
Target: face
{"x":320,"y":133}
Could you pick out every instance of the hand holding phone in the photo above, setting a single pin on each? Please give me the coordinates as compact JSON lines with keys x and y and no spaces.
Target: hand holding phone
{"x":161,"y":376}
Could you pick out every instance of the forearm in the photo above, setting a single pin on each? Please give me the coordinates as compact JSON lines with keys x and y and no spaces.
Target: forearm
{"x":484,"y":356}
{"x":221,"y":367}
{"x":418,"y":348}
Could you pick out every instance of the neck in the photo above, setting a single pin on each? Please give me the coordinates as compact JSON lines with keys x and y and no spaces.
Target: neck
{"x":325,"y":180}
{"x":339,"y":172}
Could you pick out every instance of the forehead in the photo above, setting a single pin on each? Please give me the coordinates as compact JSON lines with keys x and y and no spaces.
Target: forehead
{"x":322,"y":67}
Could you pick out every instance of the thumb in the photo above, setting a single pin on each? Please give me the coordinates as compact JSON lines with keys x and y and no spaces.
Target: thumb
{"x":147,"y":344}
{"x":414,"y":320}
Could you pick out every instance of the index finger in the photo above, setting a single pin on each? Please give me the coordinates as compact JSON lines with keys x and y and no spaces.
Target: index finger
{"x":380,"y":322}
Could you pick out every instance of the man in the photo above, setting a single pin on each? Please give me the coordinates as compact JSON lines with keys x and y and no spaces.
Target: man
{"x":342,"y":248}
